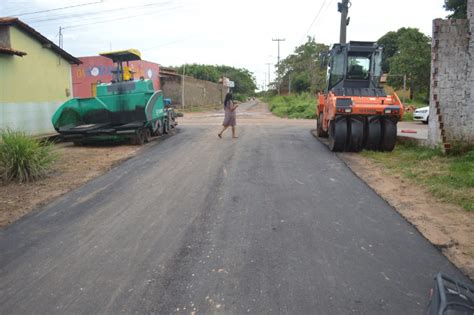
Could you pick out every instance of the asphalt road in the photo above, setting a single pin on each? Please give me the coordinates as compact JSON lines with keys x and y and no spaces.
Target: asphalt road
{"x":269,"y":223}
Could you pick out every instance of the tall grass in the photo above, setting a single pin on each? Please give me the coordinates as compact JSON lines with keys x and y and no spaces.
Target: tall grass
{"x":294,"y":106}
{"x":23,"y":158}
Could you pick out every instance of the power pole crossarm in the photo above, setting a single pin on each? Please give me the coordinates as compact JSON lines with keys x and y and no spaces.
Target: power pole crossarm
{"x":278,"y":40}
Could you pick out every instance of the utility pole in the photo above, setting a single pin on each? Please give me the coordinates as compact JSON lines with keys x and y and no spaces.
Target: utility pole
{"x":280,"y":40}
{"x":268,"y":64}
{"x":60,"y":37}
{"x":343,"y":7}
{"x":278,"y":64}
{"x":289,"y":83}
{"x":182,"y":86}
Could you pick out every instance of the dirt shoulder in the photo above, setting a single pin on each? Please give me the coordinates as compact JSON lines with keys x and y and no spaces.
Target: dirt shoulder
{"x":446,"y":226}
{"x":75,"y":166}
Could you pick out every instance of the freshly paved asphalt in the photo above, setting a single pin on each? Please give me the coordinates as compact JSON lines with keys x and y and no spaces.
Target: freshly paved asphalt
{"x":269,"y":223}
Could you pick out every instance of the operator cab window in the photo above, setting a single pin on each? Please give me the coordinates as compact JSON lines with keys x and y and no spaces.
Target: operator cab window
{"x":358,"y":68}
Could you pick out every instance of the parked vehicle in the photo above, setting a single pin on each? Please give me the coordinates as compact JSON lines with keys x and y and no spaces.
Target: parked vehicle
{"x":123,"y":108}
{"x":422,"y":114}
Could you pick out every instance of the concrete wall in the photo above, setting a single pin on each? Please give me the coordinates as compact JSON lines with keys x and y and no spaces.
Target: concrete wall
{"x":33,"y":117}
{"x":452,"y":84}
{"x":196,"y":92}
{"x":32,"y":86}
{"x":40,"y":76}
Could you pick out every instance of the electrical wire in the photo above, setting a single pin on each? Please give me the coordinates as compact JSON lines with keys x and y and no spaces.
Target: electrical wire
{"x":316,"y":19}
{"x":118,"y":19}
{"x":88,"y":14}
{"x":62,"y":8}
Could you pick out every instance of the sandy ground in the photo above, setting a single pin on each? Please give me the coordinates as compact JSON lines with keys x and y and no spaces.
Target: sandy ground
{"x":447,"y":226}
{"x":75,"y":166}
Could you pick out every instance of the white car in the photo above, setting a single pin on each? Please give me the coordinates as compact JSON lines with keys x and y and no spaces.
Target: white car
{"x":422,"y":114}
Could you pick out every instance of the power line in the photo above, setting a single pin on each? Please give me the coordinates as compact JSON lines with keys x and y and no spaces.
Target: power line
{"x":314,"y":20}
{"x":62,"y":8}
{"x":118,"y":19}
{"x":322,"y":9}
{"x":88,"y":14}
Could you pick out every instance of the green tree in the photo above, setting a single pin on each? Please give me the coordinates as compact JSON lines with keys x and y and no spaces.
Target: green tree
{"x":244,"y":79}
{"x":390,"y":42}
{"x":305,"y":67}
{"x":201,"y":72}
{"x":413,"y":59}
{"x":458,"y":7}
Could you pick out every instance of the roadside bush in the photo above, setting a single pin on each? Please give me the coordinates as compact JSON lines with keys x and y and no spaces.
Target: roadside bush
{"x":23,"y":158}
{"x":294,"y":106}
{"x":239,"y":97}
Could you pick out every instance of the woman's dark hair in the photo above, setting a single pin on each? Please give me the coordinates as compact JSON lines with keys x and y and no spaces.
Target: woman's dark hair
{"x":228,"y":97}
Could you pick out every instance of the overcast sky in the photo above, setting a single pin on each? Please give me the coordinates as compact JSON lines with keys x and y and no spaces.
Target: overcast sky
{"x":235,"y":33}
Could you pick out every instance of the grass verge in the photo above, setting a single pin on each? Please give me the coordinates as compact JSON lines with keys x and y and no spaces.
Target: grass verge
{"x":449,"y":178}
{"x":23,"y":158}
{"x":293,"y":106}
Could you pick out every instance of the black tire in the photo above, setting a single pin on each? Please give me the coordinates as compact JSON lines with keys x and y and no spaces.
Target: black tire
{"x":389,"y":134}
{"x":427,"y":120}
{"x":139,"y":138}
{"x":160,"y":130}
{"x":373,"y":133}
{"x":319,"y":126}
{"x":338,"y":134}
{"x":166,"y":126}
{"x":356,"y":134}
{"x":146,"y":135}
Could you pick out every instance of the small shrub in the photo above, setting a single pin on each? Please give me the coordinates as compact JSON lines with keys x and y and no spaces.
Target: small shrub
{"x":23,"y":158}
{"x":239,"y":97}
{"x":408,"y":116}
{"x":294,"y":106}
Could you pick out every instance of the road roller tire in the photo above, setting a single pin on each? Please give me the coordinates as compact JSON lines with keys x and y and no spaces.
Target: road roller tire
{"x":338,"y":134}
{"x":389,"y":134}
{"x":373,"y":134}
{"x":319,"y":127}
{"x":356,"y":134}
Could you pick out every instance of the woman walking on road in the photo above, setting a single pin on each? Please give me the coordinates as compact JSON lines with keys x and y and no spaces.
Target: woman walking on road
{"x":229,"y":117}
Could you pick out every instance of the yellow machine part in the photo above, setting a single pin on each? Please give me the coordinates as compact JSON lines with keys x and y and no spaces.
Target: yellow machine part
{"x":128,"y":73}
